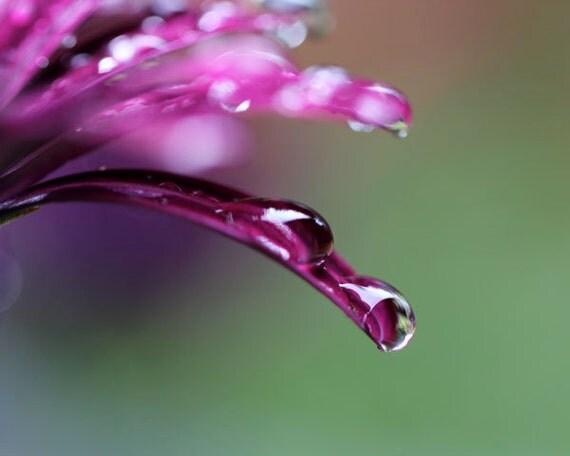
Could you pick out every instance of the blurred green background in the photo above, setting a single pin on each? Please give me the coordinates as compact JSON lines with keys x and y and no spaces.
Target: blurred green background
{"x":215,"y":350}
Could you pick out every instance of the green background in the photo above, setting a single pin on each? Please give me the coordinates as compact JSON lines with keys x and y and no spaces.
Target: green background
{"x":230,"y":354}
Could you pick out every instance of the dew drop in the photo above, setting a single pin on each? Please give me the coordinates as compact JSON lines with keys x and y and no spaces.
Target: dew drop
{"x":42,"y":62}
{"x":170,"y":186}
{"x":323,"y":82}
{"x":292,"y":6}
{"x":106,"y":64}
{"x":360,"y":127}
{"x":401,"y":129}
{"x":225,"y":93}
{"x":293,"y":35}
{"x":389,"y":319}
{"x":236,"y":108}
{"x":69,"y":41}
{"x":292,"y":231}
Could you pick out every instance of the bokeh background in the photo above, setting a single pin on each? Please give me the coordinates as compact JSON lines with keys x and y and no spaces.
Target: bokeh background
{"x":135,"y":333}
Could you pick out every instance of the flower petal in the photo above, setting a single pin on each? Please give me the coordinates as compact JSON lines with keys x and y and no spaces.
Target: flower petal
{"x":288,"y":232}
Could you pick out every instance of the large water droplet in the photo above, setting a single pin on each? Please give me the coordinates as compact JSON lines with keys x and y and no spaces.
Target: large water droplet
{"x":389,"y":320}
{"x":292,"y":231}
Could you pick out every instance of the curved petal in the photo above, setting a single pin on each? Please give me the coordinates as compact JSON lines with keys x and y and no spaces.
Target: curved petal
{"x":288,"y":232}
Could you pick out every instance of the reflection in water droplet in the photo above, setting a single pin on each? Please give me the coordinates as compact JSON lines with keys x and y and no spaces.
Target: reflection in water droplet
{"x":10,"y":281}
{"x":389,"y":320}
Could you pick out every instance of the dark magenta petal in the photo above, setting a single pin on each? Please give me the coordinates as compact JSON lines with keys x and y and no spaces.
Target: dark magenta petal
{"x":288,"y":232}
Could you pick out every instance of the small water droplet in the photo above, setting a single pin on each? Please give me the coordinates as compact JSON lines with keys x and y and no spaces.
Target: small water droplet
{"x":42,"y":62}
{"x":106,"y":64}
{"x":217,"y":14}
{"x":80,"y":60}
{"x":323,"y":82}
{"x":389,"y":319}
{"x":237,"y":108}
{"x":360,"y":127}
{"x":170,"y":186}
{"x":292,"y":6}
{"x":293,"y":35}
{"x":400,"y":129}
{"x":69,"y":41}
{"x":225,"y":93}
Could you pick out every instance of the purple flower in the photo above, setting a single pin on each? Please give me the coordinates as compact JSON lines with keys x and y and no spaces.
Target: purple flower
{"x":79,"y":74}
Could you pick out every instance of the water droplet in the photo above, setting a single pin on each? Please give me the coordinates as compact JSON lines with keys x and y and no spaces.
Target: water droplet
{"x":80,"y":60}
{"x":237,"y":108}
{"x":225,"y":93}
{"x":292,"y":6}
{"x":322,"y":83}
{"x":389,"y":319}
{"x":360,"y":127}
{"x":170,"y":186}
{"x":106,"y":64}
{"x":290,"y":230}
{"x":293,"y":35}
{"x":401,"y":129}
{"x":42,"y":62}
{"x":69,"y":41}
{"x":217,"y":14}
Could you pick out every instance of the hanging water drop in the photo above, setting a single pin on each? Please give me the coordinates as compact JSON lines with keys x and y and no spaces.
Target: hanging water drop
{"x":389,"y":319}
{"x":360,"y":127}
